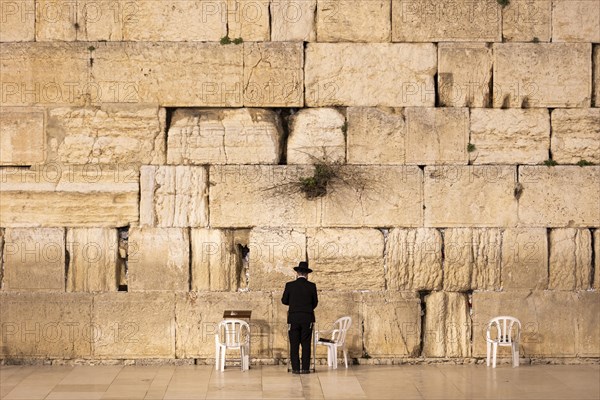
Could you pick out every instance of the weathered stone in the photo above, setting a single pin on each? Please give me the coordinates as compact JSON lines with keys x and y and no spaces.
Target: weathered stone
{"x":526,"y":21}
{"x":575,"y":21}
{"x":56,"y":20}
{"x":414,"y":259}
{"x":447,"y":325}
{"x":439,"y":21}
{"x":18,"y":20}
{"x":596,"y":241}
{"x":316,"y":134}
{"x":247,"y":19}
{"x":570,"y":259}
{"x":464,"y":87}
{"x":347,"y":259}
{"x":158,"y":259}
{"x":391,"y":324}
{"x":34,"y":259}
{"x":353,"y":21}
{"x":542,"y":75}
{"x":342,"y":74}
{"x":376,"y":135}
{"x":107,"y":134}
{"x":559,"y":196}
{"x":461,"y":196}
{"x":524,"y":259}
{"x":134,"y":325}
{"x":576,"y":135}
{"x":21,"y":136}
{"x":293,"y":21}
{"x":510,"y":136}
{"x":588,"y":320}
{"x":46,"y":325}
{"x":174,"y":196}
{"x":596,"y":75}
{"x":93,"y":260}
{"x":272,"y":254}
{"x":103,"y":20}
{"x":224,"y":136}
{"x":93,"y":195}
{"x":472,"y":259}
{"x":437,"y":135}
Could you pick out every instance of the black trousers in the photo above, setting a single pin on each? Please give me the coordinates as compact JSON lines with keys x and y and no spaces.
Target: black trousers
{"x":300,"y":334}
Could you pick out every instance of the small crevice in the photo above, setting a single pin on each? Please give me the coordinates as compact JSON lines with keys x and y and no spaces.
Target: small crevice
{"x":190,"y":265}
{"x":550,"y":110}
{"x":471,"y":332}
{"x":122,"y":259}
{"x":285,"y":115}
{"x":1,"y":258}
{"x":422,"y":295}
{"x":548,"y":243}
{"x":594,"y":266}
{"x":489,"y":101}
{"x":386,"y":233}
{"x":442,"y":253}
{"x":436,"y":84}
{"x":67,"y":259}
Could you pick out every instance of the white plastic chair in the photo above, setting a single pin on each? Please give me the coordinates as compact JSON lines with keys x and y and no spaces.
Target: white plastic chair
{"x":508,"y":333}
{"x":232,"y":334}
{"x":337,"y":340}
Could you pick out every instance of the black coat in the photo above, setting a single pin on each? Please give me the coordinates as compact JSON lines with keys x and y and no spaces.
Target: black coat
{"x":301,"y":296}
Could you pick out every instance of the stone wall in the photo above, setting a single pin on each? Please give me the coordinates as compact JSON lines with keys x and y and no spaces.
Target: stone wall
{"x":152,"y":156}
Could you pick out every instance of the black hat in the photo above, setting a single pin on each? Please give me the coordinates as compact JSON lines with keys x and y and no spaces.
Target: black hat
{"x":303,"y":268}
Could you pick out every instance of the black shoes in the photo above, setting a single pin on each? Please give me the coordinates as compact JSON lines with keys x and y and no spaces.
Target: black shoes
{"x":295,"y":371}
{"x":304,"y":371}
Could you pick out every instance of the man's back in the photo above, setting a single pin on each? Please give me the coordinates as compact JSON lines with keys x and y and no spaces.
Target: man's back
{"x":301,"y":296}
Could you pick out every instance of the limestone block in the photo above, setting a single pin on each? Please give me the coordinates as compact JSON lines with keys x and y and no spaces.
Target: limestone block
{"x":106,"y":134}
{"x":18,"y":20}
{"x":370,"y":74}
{"x":472,"y":259}
{"x":570,"y":259}
{"x":174,"y":196}
{"x":316,"y":134}
{"x":596,"y":242}
{"x":134,"y":325}
{"x":353,"y":21}
{"x":510,"y":136}
{"x":376,"y":135}
{"x":527,"y":20}
{"x":293,"y":21}
{"x":248,"y":19}
{"x":273,"y":254}
{"x":576,"y":135}
{"x":346,"y":259}
{"x":34,"y":259}
{"x":224,"y":136}
{"x":55,"y":20}
{"x":92,"y":195}
{"x":596,"y":75}
{"x":439,"y":20}
{"x":93,"y":260}
{"x":44,"y":73}
{"x":167,"y":73}
{"x":588,"y":319}
{"x":21,"y":136}
{"x":478,"y":196}
{"x":575,"y":21}
{"x":447,"y":325}
{"x":464,"y":87}
{"x":198,"y":315}
{"x":437,"y":135}
{"x":524,"y":259}
{"x":559,"y":196}
{"x":46,"y":325}
{"x":103,"y":20}
{"x":392,"y":324}
{"x":542,"y":75}
{"x":158,"y":259}
{"x":273,"y":74}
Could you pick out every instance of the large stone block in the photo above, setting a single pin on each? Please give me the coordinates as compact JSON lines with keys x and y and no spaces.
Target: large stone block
{"x":316,"y":134}
{"x":472,"y":259}
{"x":526,"y":21}
{"x":510,"y":136}
{"x":134,"y":325}
{"x":174,"y":196}
{"x":247,"y":19}
{"x":559,"y":196}
{"x":34,"y":259}
{"x":570,"y":259}
{"x":462,"y":196}
{"x":293,"y":21}
{"x":524,"y":259}
{"x":56,"y":20}
{"x":353,"y":21}
{"x":464,"y":87}
{"x":93,"y":195}
{"x":224,"y":136}
{"x":542,"y":75}
{"x":159,"y":259}
{"x":103,"y":20}
{"x":93,"y":260}
{"x":447,"y":325}
{"x":413,"y":259}
{"x":21,"y":136}
{"x":575,"y":21}
{"x":18,"y":20}
{"x":576,"y":135}
{"x":439,"y":21}
{"x":596,"y":241}
{"x":106,"y":134}
{"x":588,"y":320}
{"x":347,"y":259}
{"x":46,"y":325}
{"x":375,"y":74}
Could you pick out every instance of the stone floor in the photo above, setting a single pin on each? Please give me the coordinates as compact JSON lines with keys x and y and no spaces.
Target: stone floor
{"x":273,"y":382}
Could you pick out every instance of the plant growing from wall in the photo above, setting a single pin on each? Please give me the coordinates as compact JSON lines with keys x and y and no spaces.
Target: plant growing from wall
{"x":471,"y":147}
{"x":504,"y":3}
{"x":584,"y":163}
{"x":550,"y":163}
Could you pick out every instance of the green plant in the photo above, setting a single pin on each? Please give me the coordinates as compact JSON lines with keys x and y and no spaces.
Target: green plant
{"x":315,"y":186}
{"x":344,"y":127}
{"x":518,"y":190}
{"x":536,"y":39}
{"x":584,"y":163}
{"x":76,"y":26}
{"x":504,"y":3}
{"x":91,"y":48}
{"x":471,"y":147}
{"x":550,"y":163}
{"x":225,"y":40}
{"x":238,"y":40}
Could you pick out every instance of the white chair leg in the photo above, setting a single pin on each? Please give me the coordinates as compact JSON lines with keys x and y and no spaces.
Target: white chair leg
{"x":489,"y":350}
{"x":334,"y":352}
{"x":217,"y":357}
{"x":346,"y":357}
{"x":494,"y":351}
{"x":329,"y":357}
{"x":223,"y":351}
{"x":515,"y":354}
